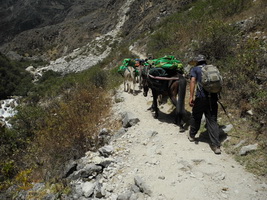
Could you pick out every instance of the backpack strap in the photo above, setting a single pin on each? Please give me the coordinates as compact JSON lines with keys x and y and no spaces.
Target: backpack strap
{"x":199,"y":85}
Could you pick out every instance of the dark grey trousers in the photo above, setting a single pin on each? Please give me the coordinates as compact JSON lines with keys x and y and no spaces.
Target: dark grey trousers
{"x":208,"y":107}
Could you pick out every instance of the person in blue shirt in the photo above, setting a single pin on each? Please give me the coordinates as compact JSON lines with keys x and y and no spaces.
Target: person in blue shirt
{"x":205,"y":103}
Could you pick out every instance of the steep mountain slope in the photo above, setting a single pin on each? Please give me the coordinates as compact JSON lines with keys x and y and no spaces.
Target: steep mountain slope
{"x":35,"y":27}
{"x":50,"y":29}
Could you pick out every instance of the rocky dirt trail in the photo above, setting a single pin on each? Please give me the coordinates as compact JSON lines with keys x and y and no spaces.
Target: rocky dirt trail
{"x":171,"y":167}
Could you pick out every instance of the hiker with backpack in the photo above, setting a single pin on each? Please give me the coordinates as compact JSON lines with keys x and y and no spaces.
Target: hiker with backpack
{"x":205,"y":84}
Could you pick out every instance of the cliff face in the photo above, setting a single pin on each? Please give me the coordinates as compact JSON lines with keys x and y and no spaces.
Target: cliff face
{"x":49,"y":29}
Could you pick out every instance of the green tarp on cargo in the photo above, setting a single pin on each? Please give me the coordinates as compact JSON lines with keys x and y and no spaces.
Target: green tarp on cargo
{"x":127,"y":62}
{"x":168,"y":62}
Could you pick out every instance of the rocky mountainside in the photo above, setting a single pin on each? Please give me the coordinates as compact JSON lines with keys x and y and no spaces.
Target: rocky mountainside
{"x":50,"y":29}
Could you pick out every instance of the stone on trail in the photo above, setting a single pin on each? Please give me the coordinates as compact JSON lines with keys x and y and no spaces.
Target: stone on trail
{"x":129,"y":120}
{"x":70,"y":167}
{"x":106,"y":151}
{"x":88,"y":188}
{"x":246,"y":149}
{"x":239,"y":144}
{"x":120,"y":133}
{"x":99,"y":191}
{"x":135,"y":188}
{"x":142,"y":186}
{"x":184,"y":165}
{"x":88,"y":170}
{"x":227,"y":128}
{"x":104,"y":131}
{"x":125,"y":196}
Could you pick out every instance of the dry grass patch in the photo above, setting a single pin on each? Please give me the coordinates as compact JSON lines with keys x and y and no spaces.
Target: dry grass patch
{"x":70,"y":128}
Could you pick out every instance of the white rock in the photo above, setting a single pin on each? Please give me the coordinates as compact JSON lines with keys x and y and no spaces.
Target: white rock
{"x":244,"y":150}
{"x":88,"y":188}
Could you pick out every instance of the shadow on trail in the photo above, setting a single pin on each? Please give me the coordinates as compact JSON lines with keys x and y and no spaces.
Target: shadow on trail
{"x":137,"y":92}
{"x":170,"y":118}
{"x":204,"y":136}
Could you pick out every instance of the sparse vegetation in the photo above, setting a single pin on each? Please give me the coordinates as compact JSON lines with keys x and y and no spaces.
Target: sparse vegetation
{"x":210,"y":28}
{"x":58,"y":121}
{"x":13,"y":78}
{"x":59,"y":117}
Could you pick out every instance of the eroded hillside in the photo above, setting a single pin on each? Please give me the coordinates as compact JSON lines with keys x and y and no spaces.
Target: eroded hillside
{"x":50,"y":29}
{"x":55,"y":123}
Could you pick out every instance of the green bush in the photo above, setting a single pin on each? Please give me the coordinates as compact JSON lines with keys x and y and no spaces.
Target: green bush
{"x":99,"y":79}
{"x":244,"y":77}
{"x":22,"y":131}
{"x":217,"y":40}
{"x":14,"y":80}
{"x":233,"y":7}
{"x":7,"y":169}
{"x":48,"y":75}
{"x":26,"y":120}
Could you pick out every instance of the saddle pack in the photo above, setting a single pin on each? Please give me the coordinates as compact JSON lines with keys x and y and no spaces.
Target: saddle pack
{"x":167,"y":62}
{"x":158,"y":84}
{"x":127,"y":62}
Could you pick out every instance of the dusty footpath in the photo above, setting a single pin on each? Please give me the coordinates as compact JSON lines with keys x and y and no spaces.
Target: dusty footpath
{"x":171,"y":167}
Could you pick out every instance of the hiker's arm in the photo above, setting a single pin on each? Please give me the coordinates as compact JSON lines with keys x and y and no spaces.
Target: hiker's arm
{"x":192,"y":91}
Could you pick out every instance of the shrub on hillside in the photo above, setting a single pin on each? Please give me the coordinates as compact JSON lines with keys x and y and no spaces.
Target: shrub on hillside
{"x":14,"y":142}
{"x":217,"y":40}
{"x":99,"y":79}
{"x":14,"y":80}
{"x":48,"y":75}
{"x":69,"y":127}
{"x":232,"y":8}
{"x":246,"y":78}
{"x":44,"y":137}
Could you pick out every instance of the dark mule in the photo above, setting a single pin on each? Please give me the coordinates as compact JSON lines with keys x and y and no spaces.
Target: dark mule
{"x":174,"y":87}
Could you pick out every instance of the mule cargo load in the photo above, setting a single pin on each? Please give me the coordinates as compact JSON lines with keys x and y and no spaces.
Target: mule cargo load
{"x":128,"y":62}
{"x":121,"y":69}
{"x":167,"y":62}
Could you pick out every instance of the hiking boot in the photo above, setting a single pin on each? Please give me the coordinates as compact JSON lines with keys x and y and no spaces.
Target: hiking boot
{"x":191,"y":138}
{"x":216,"y":149}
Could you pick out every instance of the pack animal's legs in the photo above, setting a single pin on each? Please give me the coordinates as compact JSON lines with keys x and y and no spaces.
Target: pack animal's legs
{"x":180,"y":107}
{"x":128,"y":86}
{"x":140,"y":78}
{"x":125,"y":86}
{"x":134,"y":80}
{"x":155,"y":103}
